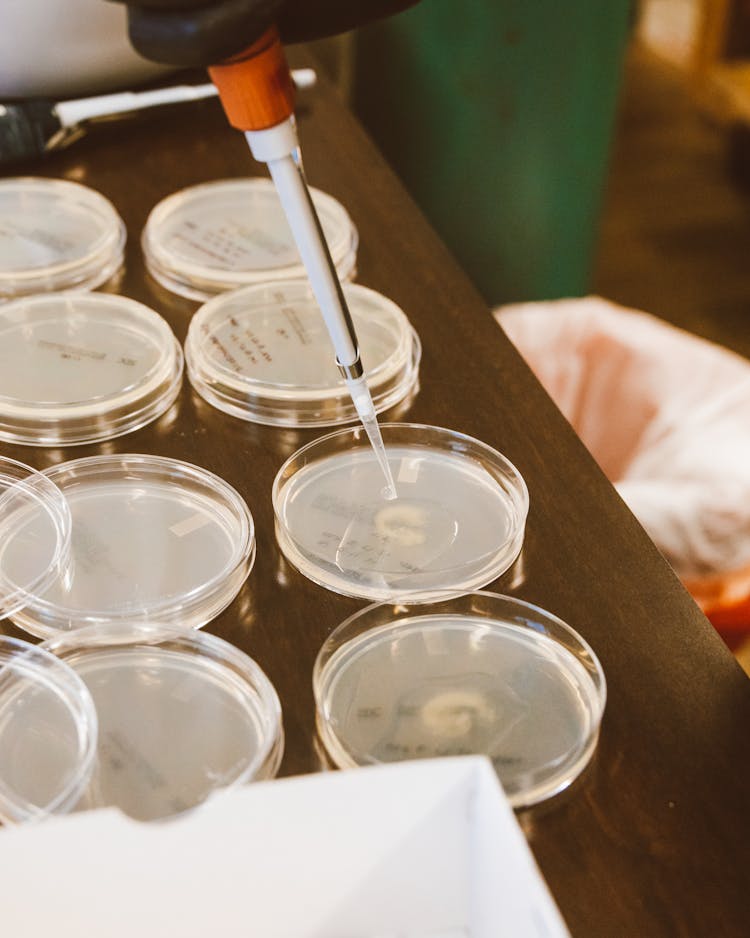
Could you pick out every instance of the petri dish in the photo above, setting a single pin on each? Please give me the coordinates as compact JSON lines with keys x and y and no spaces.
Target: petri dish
{"x":457,"y":523}
{"x":231,"y":233}
{"x":56,"y":235}
{"x":82,"y":367}
{"x":151,"y":539}
{"x":180,"y":715}
{"x":35,"y":517}
{"x":477,"y":674}
{"x":48,"y":734}
{"x":264,"y":354}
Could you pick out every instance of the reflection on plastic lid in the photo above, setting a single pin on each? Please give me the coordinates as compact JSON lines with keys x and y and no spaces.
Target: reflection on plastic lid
{"x":180,"y":714}
{"x":35,"y":527}
{"x":48,"y":733}
{"x":80,"y":367}
{"x":151,"y":538}
{"x":457,"y":523}
{"x":263,"y":354}
{"x":56,"y":235}
{"x":476,"y":674}
{"x":232,"y":233}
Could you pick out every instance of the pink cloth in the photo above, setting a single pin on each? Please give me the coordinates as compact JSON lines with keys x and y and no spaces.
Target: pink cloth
{"x":665,"y":414}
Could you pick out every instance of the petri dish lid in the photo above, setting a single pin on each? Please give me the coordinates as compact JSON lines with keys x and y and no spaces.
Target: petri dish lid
{"x":264,"y":354}
{"x":477,"y":674}
{"x":81,"y":367}
{"x":457,"y":523}
{"x":48,"y":733}
{"x":232,"y":233}
{"x":180,"y":714}
{"x":56,"y":235}
{"x":35,"y":518}
{"x":151,"y":539}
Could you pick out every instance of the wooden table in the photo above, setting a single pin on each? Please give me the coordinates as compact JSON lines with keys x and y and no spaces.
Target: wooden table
{"x":653,"y":839}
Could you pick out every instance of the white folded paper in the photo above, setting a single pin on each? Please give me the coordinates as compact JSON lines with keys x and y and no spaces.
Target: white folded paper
{"x":427,"y":849}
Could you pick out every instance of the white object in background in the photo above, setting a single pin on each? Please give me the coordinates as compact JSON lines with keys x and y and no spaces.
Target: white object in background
{"x":419,"y":850}
{"x":666,"y":415}
{"x":59,"y":48}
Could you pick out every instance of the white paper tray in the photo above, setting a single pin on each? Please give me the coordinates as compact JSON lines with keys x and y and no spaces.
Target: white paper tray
{"x":417,"y":850}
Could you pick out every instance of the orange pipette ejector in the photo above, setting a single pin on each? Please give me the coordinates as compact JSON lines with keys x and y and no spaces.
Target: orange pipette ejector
{"x":256,"y":87}
{"x":257,"y":93}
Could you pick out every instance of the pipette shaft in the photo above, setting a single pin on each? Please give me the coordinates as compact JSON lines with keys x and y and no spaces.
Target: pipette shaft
{"x":257,"y":95}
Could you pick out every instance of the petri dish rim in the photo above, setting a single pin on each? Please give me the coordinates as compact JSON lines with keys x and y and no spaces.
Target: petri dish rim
{"x":200,"y":604}
{"x":45,"y":669}
{"x":204,"y":652}
{"x":103,"y":259}
{"x":156,"y":390}
{"x":484,"y":566}
{"x":356,"y":630}
{"x":381,"y":371}
{"x":49,"y":498}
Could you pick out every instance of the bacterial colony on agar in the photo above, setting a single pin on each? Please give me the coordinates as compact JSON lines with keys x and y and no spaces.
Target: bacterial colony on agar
{"x":457,"y":521}
{"x":507,"y":681}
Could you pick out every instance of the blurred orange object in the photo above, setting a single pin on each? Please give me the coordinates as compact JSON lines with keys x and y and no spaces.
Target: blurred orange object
{"x":725,"y":599}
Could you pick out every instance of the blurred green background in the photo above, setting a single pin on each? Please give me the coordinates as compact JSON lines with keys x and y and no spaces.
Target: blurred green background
{"x":498,"y":115}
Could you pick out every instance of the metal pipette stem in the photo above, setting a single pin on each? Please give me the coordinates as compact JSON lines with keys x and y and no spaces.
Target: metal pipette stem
{"x":308,"y":235}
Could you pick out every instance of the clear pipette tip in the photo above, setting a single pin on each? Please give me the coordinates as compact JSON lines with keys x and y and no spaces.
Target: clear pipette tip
{"x":366,"y":410}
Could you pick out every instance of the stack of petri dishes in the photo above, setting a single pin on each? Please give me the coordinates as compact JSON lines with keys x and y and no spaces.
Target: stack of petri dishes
{"x":116,"y":560}
{"x":233,"y":233}
{"x":263,"y":354}
{"x":56,"y":235}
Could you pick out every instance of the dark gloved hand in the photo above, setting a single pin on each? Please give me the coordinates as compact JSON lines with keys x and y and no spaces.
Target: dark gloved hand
{"x":206,"y":32}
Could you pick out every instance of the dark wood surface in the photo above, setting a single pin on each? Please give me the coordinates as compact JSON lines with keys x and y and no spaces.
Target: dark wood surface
{"x":653,"y":839}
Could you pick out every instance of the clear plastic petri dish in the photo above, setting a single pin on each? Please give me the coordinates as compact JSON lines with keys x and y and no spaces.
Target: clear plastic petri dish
{"x":231,"y":233}
{"x":151,"y":539}
{"x":457,"y":523}
{"x":56,"y":235}
{"x":477,"y":674}
{"x":264,"y":354}
{"x":180,"y":715}
{"x":48,"y":734}
{"x":35,"y":518}
{"x":82,"y":367}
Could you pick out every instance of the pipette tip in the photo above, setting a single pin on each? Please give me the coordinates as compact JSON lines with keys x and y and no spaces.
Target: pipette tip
{"x":366,"y":410}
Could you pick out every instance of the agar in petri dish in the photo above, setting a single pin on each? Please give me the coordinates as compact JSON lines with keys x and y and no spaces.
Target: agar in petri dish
{"x":231,"y":233}
{"x":151,"y":539}
{"x":48,"y":734}
{"x":264,"y":354}
{"x":457,"y":523}
{"x":82,"y":367}
{"x":35,"y":529}
{"x":180,"y":715}
{"x":56,"y":235}
{"x":477,"y":674}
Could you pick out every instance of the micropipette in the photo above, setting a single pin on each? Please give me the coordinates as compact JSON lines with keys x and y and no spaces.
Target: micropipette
{"x":257,"y":93}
